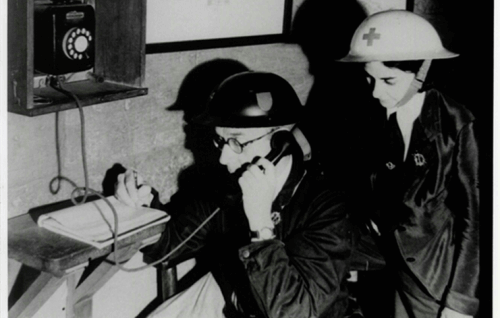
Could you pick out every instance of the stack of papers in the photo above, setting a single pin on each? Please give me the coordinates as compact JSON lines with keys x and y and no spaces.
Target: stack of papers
{"x":94,"y":222}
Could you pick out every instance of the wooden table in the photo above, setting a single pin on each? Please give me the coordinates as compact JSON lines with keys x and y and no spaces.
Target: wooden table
{"x":58,"y":259}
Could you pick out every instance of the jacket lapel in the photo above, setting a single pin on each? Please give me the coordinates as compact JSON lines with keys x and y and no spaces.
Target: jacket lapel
{"x":422,"y":153}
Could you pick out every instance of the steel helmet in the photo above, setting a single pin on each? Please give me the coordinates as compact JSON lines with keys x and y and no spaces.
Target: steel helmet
{"x":396,"y":35}
{"x":252,"y":99}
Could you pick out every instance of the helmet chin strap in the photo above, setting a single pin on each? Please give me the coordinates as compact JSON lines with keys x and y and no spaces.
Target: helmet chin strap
{"x":416,"y":84}
{"x":303,"y":142}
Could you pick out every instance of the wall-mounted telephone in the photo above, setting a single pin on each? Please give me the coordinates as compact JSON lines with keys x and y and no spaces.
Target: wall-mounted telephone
{"x":64,"y":37}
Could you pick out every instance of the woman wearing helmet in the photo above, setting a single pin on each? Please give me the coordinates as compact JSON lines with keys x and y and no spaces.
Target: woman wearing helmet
{"x":425,"y":180}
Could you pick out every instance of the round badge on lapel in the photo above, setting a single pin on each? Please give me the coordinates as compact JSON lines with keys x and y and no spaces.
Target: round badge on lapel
{"x":419,"y":159}
{"x":390,"y":165}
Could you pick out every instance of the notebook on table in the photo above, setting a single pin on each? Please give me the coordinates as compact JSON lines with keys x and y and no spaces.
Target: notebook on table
{"x":93,"y":222}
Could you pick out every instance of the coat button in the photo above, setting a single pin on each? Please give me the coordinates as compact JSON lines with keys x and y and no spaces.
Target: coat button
{"x":410,"y":259}
{"x":245,"y":253}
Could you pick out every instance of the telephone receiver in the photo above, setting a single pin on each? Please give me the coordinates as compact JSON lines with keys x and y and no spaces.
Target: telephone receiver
{"x":281,"y":145}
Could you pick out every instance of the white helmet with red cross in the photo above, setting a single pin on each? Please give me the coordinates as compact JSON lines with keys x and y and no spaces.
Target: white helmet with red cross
{"x":396,"y":35}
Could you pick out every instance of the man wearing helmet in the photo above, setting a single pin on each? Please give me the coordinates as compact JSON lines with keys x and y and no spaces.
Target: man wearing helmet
{"x":424,"y":181}
{"x":282,"y":248}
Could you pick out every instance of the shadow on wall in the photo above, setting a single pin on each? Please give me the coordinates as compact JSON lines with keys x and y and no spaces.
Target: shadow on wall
{"x":467,"y":29}
{"x":192,"y":97}
{"x":338,"y":100}
{"x":340,"y":119}
{"x":323,"y":29}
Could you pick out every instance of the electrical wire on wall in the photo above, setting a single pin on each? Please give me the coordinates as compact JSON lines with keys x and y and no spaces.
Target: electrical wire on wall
{"x":56,"y":84}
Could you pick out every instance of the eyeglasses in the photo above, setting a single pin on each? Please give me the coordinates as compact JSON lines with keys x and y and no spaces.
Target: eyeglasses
{"x":234,"y":144}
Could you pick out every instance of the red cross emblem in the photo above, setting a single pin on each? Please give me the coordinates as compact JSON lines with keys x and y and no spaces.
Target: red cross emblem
{"x":370,"y":36}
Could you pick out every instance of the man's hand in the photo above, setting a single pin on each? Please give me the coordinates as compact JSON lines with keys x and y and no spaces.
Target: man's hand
{"x":258,"y":187}
{"x":450,"y":313}
{"x":130,"y":189}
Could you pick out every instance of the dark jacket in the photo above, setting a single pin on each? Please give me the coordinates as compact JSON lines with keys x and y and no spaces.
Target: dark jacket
{"x":430,"y":203}
{"x":300,"y":273}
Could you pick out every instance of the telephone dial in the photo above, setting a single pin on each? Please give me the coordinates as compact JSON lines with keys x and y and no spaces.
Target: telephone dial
{"x":64,"y":37}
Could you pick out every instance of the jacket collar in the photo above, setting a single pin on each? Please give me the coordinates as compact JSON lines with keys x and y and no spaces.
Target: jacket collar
{"x":429,"y":118}
{"x":297,"y":173}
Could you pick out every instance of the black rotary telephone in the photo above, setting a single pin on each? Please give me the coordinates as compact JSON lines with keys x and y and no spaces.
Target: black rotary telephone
{"x":64,"y":32}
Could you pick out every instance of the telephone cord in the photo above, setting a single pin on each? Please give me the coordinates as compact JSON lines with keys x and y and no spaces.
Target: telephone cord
{"x":56,"y":84}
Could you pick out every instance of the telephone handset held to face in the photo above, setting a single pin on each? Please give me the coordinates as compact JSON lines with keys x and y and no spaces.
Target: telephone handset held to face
{"x":281,"y":142}
{"x":281,"y":145}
